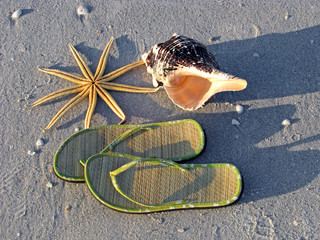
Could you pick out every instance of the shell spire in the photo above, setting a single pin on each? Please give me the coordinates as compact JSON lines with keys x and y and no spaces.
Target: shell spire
{"x":188,"y":72}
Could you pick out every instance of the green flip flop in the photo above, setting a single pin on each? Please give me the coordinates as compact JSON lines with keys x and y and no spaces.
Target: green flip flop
{"x":175,"y":140}
{"x":140,"y":185}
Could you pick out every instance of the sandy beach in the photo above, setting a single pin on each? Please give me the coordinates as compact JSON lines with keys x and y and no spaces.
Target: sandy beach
{"x":274,"y":45}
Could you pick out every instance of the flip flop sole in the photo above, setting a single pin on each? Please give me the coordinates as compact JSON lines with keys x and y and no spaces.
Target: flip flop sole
{"x":159,"y":186}
{"x":175,"y":140}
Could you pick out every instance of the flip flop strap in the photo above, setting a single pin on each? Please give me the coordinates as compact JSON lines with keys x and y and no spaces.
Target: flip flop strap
{"x":155,"y":161}
{"x":125,"y":135}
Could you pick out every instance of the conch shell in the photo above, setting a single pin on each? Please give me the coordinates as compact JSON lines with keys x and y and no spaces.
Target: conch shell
{"x":188,"y":72}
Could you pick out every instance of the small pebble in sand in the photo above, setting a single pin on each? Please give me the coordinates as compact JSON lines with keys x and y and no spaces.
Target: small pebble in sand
{"x":235,"y":122}
{"x":256,"y":55}
{"x":18,"y":234}
{"x":285,"y":122}
{"x":77,"y":129}
{"x":31,"y":153}
{"x":239,"y":109}
{"x":16,"y":14}
{"x":286,"y":16}
{"x":27,"y":97}
{"x":296,"y":137}
{"x":82,"y":10}
{"x":40,"y":142}
{"x":295,"y":223}
{"x":180,"y":230}
{"x":49,"y":185}
{"x":67,"y":208}
{"x":214,"y":39}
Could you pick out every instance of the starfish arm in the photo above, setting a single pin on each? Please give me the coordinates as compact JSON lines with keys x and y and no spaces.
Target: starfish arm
{"x":57,"y":94}
{"x":82,"y":65}
{"x":64,"y":75}
{"x":92,"y":105}
{"x":111,"y":103}
{"x":78,"y":98}
{"x":110,"y":76}
{"x":103,"y":60}
{"x":127,"y":88}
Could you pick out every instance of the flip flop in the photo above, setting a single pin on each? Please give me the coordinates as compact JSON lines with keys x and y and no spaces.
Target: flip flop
{"x":175,"y":140}
{"x":140,"y":185}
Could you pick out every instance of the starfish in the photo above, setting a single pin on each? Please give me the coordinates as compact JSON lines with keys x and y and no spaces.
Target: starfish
{"x":91,"y":86}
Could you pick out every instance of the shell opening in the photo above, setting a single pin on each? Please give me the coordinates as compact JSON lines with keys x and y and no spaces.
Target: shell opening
{"x":190,"y":92}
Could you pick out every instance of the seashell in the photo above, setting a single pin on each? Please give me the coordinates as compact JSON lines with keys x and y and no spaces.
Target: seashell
{"x":286,"y":122}
{"x":82,"y":10}
{"x":239,"y":109}
{"x":40,"y":142}
{"x":188,"y":72}
{"x":15,"y":15}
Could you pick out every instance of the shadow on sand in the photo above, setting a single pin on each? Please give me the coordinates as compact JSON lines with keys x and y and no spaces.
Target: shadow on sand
{"x":288,"y":65}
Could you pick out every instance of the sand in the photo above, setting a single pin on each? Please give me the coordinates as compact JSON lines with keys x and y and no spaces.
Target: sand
{"x":274,"y":46}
